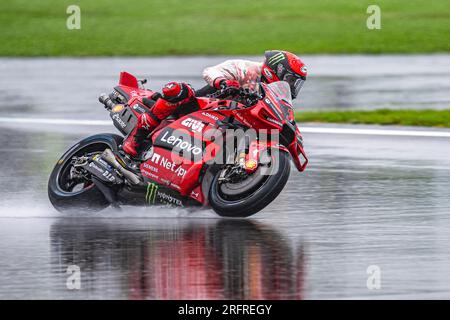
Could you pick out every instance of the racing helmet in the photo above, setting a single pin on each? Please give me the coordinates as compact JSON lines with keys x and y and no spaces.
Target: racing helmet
{"x":284,"y":66}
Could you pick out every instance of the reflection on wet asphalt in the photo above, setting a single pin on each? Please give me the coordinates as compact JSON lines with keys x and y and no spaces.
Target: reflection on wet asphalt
{"x":69,"y":87}
{"x":365,"y":200}
{"x":188,"y":259}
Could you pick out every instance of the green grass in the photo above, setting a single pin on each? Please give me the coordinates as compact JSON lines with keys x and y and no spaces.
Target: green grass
{"x":185,"y":27}
{"x":427,"y":118}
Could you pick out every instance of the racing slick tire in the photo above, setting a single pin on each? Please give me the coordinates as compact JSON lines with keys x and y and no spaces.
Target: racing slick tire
{"x":257,"y":195}
{"x":84,"y":197}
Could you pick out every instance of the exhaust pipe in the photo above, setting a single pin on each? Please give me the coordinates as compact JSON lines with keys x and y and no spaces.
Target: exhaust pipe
{"x":106,"y":101}
{"x":109,"y":157}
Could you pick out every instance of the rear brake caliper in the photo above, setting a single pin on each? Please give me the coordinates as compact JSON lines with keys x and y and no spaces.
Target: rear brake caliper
{"x":77,"y":172}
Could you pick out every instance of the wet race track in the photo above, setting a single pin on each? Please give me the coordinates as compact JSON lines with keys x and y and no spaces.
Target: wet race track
{"x":365,"y":200}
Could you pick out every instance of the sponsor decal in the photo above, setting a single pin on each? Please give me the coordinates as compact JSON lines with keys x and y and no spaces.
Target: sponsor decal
{"x":165,"y":181}
{"x":251,"y":164}
{"x":304,"y":69}
{"x":138,"y":108}
{"x":195,"y":125}
{"x":118,"y":108}
{"x":209,"y":115}
{"x":170,"y":85}
{"x":276,"y":58}
{"x":149,"y":174}
{"x":267,"y":73}
{"x":96,"y":167}
{"x":274,"y":121}
{"x":173,"y":185}
{"x":150,"y":196}
{"x":99,"y":159}
{"x":116,"y":118}
{"x":153,"y":195}
{"x":151,"y":168}
{"x":108,"y":176}
{"x":194,"y":194}
{"x":168,"y":199}
{"x":272,"y":107}
{"x":280,"y":69}
{"x":170,"y":140}
{"x":105,"y":173}
{"x":167,"y":164}
{"x":242,"y":119}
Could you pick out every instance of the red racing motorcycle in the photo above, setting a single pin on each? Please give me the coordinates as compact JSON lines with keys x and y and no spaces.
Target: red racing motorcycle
{"x":232,"y":154}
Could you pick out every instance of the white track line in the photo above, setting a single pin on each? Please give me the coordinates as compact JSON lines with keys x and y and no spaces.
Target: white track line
{"x":57,"y":121}
{"x":377,"y":132}
{"x":326,"y":130}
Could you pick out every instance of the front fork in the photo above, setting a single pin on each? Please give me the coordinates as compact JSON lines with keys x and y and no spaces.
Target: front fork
{"x":249,"y":156}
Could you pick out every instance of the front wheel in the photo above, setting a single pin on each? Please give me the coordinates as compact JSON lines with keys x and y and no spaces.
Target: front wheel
{"x":69,"y":192}
{"x":246,"y":197}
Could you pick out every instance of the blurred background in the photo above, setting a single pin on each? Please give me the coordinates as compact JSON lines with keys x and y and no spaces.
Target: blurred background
{"x":366,"y":199}
{"x":361,"y":55}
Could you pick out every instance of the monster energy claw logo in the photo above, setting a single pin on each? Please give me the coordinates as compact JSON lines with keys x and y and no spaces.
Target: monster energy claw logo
{"x":152,"y":189}
{"x":153,"y":193}
{"x":276,"y":58}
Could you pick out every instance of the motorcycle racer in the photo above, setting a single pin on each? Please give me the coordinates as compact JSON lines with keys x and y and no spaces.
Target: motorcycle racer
{"x":277,"y":66}
{"x":179,"y":167}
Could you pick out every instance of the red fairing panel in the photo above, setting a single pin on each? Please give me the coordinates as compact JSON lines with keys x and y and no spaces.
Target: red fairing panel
{"x":181,"y":172}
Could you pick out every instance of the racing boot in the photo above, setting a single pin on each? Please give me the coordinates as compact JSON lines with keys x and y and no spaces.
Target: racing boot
{"x":174,"y":94}
{"x":145,"y":124}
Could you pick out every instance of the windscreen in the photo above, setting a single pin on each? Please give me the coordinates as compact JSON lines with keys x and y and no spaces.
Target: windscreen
{"x":281,"y":90}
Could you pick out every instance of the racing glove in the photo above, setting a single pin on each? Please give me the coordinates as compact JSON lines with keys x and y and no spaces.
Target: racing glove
{"x":222,"y":83}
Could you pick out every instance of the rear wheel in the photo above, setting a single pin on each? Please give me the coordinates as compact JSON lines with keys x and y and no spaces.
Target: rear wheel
{"x":71,"y":191}
{"x":247,"y":196}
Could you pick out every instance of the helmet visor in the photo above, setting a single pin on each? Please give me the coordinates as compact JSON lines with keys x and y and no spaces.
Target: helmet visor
{"x":295,"y":82}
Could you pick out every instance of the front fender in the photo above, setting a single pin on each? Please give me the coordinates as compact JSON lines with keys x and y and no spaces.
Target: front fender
{"x":295,"y":150}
